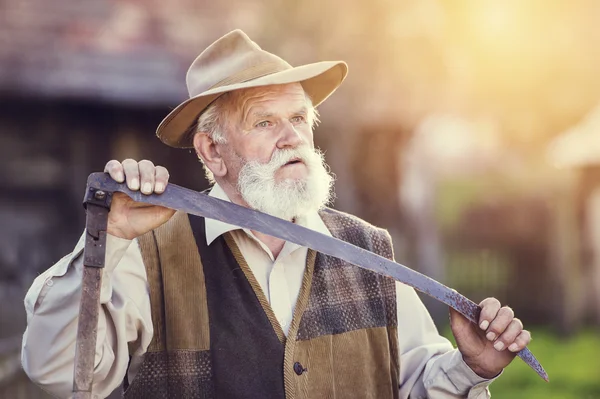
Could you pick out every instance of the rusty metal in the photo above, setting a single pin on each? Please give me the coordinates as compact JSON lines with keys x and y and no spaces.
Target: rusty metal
{"x":97,"y":196}
{"x":97,"y":203}
{"x":199,"y":204}
{"x":87,"y":332}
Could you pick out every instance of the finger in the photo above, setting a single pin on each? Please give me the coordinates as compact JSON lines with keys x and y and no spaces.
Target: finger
{"x":509,"y":335}
{"x":503,"y":318}
{"x":115,"y":170}
{"x":522,"y":340}
{"x":161,"y":178}
{"x":489,"y":309}
{"x":132,"y":174}
{"x":146,"y":176}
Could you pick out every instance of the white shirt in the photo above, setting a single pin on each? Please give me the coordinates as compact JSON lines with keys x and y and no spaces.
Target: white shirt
{"x":429,"y":366}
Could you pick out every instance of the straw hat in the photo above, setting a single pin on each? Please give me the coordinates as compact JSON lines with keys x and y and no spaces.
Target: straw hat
{"x":235,"y":62}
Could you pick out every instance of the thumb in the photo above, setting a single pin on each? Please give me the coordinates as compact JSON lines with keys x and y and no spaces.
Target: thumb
{"x":458,"y":322}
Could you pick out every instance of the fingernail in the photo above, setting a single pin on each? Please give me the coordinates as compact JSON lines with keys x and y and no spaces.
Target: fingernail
{"x":159,"y":187}
{"x":484,"y":325}
{"x":120,"y":177}
{"x":513,"y":347}
{"x":135,"y":184}
{"x":147,"y":188}
{"x":499,"y":345}
{"x":491,"y":336}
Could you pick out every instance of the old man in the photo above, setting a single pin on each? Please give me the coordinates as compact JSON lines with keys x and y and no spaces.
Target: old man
{"x":196,"y":308}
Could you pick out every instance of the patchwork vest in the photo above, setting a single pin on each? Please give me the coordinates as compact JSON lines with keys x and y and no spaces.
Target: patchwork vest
{"x":216,"y":335}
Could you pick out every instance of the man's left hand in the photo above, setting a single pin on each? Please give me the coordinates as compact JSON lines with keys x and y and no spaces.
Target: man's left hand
{"x":490,"y":346}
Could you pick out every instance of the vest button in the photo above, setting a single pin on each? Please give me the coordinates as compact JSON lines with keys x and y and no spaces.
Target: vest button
{"x":298,"y":369}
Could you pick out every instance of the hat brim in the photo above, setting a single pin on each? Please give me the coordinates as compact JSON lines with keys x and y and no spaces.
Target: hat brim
{"x":319,"y":80}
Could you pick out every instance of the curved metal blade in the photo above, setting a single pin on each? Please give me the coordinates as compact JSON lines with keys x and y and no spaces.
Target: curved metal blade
{"x":195,"y":203}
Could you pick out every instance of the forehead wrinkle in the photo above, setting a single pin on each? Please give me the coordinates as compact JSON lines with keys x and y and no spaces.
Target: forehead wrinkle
{"x":244,"y":101}
{"x":249,"y":101}
{"x":261,"y":114}
{"x":303,"y":110}
{"x":257,"y":108}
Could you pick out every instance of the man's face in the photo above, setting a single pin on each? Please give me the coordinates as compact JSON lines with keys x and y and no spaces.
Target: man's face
{"x":267,"y":119}
{"x":270,"y":155}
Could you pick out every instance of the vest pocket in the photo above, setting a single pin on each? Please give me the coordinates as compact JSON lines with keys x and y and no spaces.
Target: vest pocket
{"x":356,"y":364}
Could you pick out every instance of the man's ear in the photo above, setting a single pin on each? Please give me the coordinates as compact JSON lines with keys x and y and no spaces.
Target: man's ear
{"x":207,"y":150}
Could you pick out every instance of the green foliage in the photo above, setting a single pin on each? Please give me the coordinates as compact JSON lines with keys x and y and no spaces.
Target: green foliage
{"x":573,"y":365}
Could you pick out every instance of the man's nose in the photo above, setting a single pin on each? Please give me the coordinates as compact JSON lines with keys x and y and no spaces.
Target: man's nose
{"x":290,"y":137}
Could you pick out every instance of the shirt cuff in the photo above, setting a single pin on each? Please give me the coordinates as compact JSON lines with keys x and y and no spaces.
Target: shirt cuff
{"x":115,"y":249}
{"x":465,"y":379}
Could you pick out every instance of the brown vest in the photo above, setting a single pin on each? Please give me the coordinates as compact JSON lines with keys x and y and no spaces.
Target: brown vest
{"x":216,"y":336}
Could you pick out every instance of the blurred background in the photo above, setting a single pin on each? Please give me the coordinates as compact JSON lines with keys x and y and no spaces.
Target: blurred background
{"x":470,"y":129}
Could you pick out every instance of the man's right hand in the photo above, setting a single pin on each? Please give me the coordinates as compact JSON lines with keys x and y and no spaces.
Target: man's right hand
{"x":129,"y":219}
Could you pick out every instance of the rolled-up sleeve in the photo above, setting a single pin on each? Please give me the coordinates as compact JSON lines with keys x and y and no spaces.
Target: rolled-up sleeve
{"x":429,"y":366}
{"x":52,"y":307}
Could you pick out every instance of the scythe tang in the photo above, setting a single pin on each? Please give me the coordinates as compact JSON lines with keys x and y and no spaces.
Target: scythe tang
{"x":192,"y":202}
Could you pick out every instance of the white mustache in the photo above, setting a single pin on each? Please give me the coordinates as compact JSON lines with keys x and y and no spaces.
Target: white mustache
{"x":290,"y":197}
{"x":266,"y":171}
{"x":282,"y":157}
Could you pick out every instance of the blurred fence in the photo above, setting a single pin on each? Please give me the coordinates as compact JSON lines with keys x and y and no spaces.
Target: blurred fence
{"x":530,"y":248}
{"x":502,"y":249}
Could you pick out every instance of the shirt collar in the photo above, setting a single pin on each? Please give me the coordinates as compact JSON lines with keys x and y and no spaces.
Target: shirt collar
{"x":215,"y":228}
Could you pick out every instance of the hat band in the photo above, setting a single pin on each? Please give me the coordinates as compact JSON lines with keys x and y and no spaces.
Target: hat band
{"x":254,"y":72}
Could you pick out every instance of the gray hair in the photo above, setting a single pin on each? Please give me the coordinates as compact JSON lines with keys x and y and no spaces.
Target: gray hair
{"x":213,"y":123}
{"x":212,"y":120}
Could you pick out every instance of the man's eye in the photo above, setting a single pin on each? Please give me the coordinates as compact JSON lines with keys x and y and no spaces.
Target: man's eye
{"x":297,"y":119}
{"x":263,"y":124}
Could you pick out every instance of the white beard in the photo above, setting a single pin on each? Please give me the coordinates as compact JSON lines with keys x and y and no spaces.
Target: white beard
{"x":290,"y":198}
